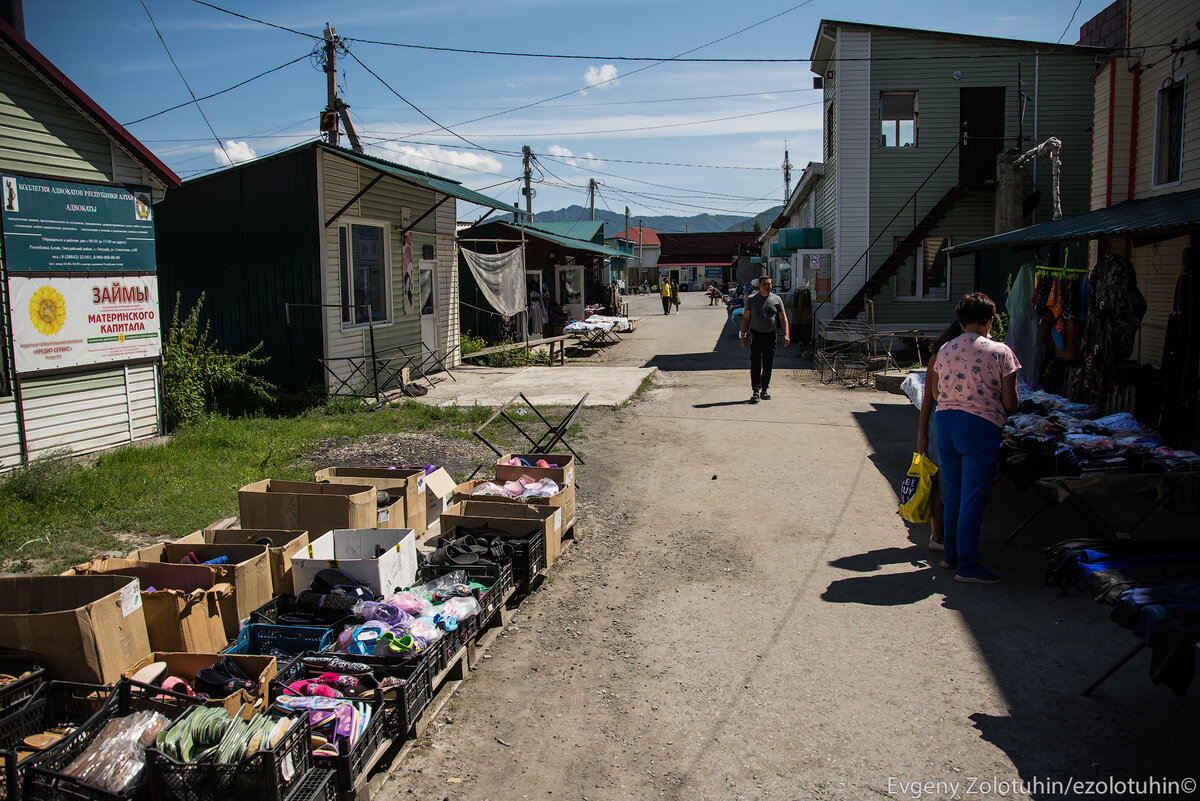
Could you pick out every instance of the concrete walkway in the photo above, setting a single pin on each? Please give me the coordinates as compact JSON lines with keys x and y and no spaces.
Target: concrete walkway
{"x":608,"y":385}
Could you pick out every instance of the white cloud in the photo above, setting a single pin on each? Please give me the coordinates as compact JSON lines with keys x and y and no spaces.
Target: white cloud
{"x":234,"y":153}
{"x":604,"y":77}
{"x":440,"y":160}
{"x":582,"y":161}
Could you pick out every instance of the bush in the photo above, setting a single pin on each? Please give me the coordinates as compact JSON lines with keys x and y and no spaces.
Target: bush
{"x":470,"y":344}
{"x":194,"y":370}
{"x":516,"y":356}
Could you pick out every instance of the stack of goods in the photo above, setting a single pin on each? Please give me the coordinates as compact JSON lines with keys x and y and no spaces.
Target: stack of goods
{"x":523,"y":487}
{"x":1154,"y":587}
{"x":1052,"y":436}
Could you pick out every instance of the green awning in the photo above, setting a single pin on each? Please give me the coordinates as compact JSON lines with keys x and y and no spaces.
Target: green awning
{"x":566,"y":241}
{"x":1151,"y":218}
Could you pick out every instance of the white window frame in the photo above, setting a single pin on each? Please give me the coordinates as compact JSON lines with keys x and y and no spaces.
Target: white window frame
{"x":919,"y":256}
{"x":345,"y":224}
{"x":916,"y":120}
{"x":1159,"y":144}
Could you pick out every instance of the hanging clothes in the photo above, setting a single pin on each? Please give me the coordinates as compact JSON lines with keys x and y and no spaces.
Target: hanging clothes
{"x":1181,"y":355}
{"x":501,"y":278}
{"x":1022,"y":333}
{"x":1116,"y":308}
{"x":537,"y":312}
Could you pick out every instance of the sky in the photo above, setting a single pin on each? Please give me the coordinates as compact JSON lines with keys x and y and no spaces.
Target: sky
{"x":672,"y":137}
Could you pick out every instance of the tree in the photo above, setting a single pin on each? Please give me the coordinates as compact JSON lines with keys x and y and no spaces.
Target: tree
{"x":757,"y":226}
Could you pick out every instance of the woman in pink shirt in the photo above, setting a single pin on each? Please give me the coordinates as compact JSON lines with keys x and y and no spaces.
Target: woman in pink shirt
{"x":975,"y":386}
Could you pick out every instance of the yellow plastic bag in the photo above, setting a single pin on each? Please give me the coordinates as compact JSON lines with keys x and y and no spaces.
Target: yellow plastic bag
{"x":916,"y":493}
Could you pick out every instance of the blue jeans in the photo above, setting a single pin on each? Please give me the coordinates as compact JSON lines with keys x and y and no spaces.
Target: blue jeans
{"x":967,"y":449}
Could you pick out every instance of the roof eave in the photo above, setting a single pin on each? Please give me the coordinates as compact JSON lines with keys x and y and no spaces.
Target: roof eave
{"x":102,"y":118}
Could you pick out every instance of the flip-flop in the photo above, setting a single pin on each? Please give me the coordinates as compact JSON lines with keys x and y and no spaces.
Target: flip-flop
{"x":150,"y":674}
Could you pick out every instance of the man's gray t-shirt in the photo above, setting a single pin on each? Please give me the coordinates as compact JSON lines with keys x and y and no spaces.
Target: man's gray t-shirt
{"x":763,"y":311}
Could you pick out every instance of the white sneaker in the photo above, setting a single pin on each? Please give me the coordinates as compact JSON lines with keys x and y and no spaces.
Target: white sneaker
{"x":936,"y":546}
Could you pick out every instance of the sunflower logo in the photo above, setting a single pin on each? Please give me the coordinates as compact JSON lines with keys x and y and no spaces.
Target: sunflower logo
{"x":47,"y":310}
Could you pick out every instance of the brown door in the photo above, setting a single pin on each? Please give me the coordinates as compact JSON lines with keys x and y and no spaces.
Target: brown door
{"x":981,"y":117}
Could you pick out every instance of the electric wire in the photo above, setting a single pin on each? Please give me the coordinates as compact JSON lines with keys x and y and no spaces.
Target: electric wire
{"x":259,"y":21}
{"x":649,"y":183}
{"x":1073,"y":13}
{"x":214,"y":94}
{"x":655,"y":101}
{"x":414,"y":108}
{"x":154,"y":25}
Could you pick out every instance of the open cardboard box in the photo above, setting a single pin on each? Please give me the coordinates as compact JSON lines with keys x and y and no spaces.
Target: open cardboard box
{"x":517,"y":520}
{"x":80,"y":628}
{"x":563,"y":501}
{"x":261,"y":669}
{"x":185,"y":605}
{"x":563,"y":475}
{"x":281,"y":544}
{"x":248,"y":570}
{"x":439,"y":495}
{"x":384,"y":559}
{"x":409,"y":479}
{"x":307,"y":506}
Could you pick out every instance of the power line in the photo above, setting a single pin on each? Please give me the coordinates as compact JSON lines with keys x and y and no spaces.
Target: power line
{"x":655,"y":101}
{"x":214,"y":94}
{"x":414,"y":108}
{"x":1073,"y":13}
{"x":633,"y":72}
{"x":154,"y":25}
{"x":581,"y":57}
{"x":259,"y":21}
{"x":650,"y":183}
{"x":637,"y":128}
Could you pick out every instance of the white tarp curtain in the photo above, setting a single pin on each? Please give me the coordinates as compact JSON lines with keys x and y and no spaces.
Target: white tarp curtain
{"x":501,"y":278}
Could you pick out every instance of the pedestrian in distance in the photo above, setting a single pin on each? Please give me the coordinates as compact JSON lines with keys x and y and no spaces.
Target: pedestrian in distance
{"x":675,"y":295}
{"x":763,"y":315}
{"x":664,"y":289}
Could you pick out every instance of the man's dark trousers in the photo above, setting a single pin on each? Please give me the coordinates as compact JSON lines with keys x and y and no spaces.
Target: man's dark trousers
{"x":762,"y":358}
{"x":666,"y":304}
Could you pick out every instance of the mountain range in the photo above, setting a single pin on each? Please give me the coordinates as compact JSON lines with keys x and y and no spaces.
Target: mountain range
{"x":699,"y":223}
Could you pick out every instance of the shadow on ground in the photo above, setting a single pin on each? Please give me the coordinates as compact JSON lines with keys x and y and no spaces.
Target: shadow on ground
{"x":1041,"y":648}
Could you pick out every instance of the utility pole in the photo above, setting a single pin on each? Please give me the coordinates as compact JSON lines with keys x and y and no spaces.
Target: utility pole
{"x":336,"y":108}
{"x":629,"y":258}
{"x":641,"y":262}
{"x":592,"y":197}
{"x":527,"y":159}
{"x":787,"y":174}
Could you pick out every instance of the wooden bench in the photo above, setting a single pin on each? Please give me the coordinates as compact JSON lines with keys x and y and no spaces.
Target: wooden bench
{"x":553,"y":345}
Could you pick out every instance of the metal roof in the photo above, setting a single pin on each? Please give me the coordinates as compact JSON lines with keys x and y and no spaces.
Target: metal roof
{"x":578,"y":229}
{"x":425,"y":179}
{"x":565,"y":241}
{"x":1159,"y":217}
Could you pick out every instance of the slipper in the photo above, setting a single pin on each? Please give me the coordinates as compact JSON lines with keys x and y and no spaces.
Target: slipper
{"x":936,"y":546}
{"x":150,"y":674}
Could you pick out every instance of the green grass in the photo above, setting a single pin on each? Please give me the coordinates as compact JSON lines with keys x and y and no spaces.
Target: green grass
{"x":169,"y":489}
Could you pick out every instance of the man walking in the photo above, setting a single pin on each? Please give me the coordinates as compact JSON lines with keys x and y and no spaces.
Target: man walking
{"x":763,"y":314}
{"x":664,"y":289}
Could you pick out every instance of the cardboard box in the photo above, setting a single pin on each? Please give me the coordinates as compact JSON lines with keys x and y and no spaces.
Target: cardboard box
{"x":185,"y":605}
{"x":518,"y":520}
{"x":563,"y":475}
{"x":280,"y":544}
{"x":80,"y":628}
{"x":261,"y":669}
{"x":395,"y":513}
{"x":248,"y":570}
{"x":384,"y":559}
{"x":563,"y":500}
{"x":439,"y":495}
{"x":307,"y":506}
{"x":411,"y":479}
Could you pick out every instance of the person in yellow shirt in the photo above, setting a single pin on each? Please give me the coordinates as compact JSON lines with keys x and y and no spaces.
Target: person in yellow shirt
{"x":664,"y":289}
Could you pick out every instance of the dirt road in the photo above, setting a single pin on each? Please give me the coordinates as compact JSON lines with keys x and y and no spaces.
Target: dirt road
{"x":745,"y":617}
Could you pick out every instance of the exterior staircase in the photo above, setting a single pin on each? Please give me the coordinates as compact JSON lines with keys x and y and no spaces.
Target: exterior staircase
{"x":904,"y":249}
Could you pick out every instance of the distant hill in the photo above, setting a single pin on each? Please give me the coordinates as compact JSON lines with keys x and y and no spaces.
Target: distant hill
{"x":699,"y":223}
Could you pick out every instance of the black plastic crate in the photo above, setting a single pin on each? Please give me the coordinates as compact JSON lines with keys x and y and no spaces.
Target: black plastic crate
{"x":17,"y":692}
{"x":43,"y":777}
{"x":55,"y":703}
{"x":318,"y":785}
{"x":283,"y":611}
{"x":529,"y":557}
{"x":497,"y":577}
{"x":352,"y":763}
{"x":402,"y":703}
{"x":268,"y":775}
{"x":441,"y":653}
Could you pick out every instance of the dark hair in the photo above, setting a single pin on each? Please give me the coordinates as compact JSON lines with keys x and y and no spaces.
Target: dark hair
{"x":975,"y":308}
{"x":953,"y":331}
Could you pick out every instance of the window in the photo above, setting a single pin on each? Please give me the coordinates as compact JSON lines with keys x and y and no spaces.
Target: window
{"x":925,"y":275}
{"x":1168,"y":134}
{"x":829,"y":132}
{"x":363,"y":264}
{"x":898,"y":119}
